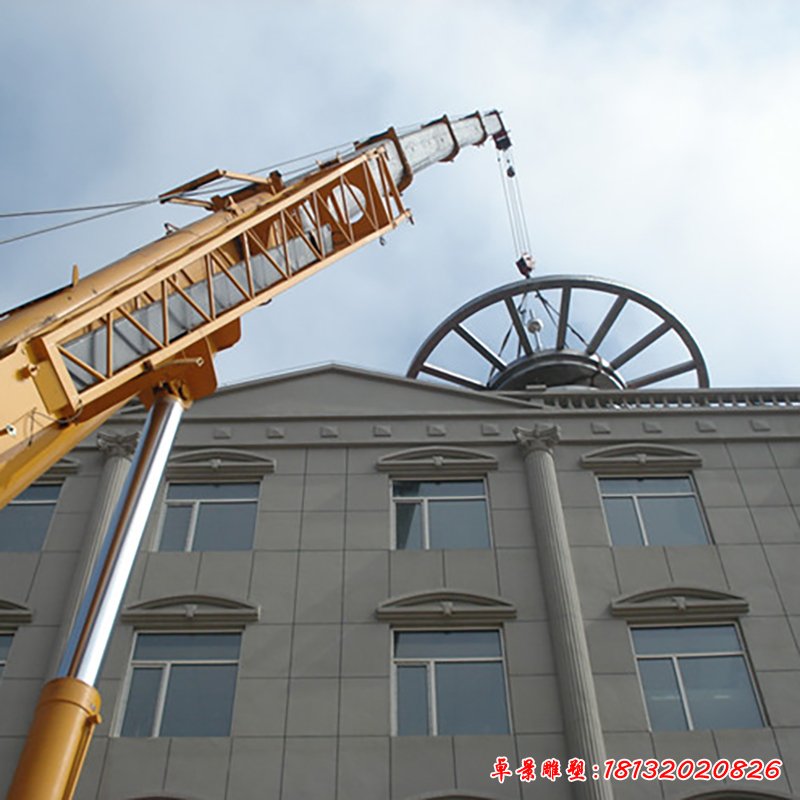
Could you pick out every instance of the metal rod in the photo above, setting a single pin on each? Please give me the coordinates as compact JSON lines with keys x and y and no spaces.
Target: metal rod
{"x":605,"y":325}
{"x":642,"y":344}
{"x":563,"y":318}
{"x":474,"y":342}
{"x":91,"y":631}
{"x":519,"y":326}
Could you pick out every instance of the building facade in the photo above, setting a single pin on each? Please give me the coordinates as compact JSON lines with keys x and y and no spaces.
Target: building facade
{"x":356,"y":585}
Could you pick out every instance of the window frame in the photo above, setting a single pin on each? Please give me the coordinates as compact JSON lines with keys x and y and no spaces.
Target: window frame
{"x":4,"y":659}
{"x":600,"y":477}
{"x":674,"y":659}
{"x":195,"y":504}
{"x":430,"y":674}
{"x":424,"y":502}
{"x":53,"y":502}
{"x":167,"y":664}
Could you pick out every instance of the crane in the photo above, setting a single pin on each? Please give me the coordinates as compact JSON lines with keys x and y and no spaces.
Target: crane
{"x":148,"y":326}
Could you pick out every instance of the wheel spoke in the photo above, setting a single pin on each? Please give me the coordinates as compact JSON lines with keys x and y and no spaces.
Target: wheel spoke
{"x":605,"y":326}
{"x":563,"y":318}
{"x":642,"y":344}
{"x":519,"y":326}
{"x":662,"y":375}
{"x":451,"y":377}
{"x":474,"y":342}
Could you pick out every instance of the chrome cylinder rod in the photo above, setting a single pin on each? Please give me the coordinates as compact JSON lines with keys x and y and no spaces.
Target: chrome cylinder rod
{"x":94,"y":623}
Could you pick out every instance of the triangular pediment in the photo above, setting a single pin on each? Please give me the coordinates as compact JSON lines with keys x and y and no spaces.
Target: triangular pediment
{"x":678,"y":603}
{"x":224,"y":462}
{"x":191,"y":609}
{"x":12,"y":614}
{"x":434,"y":460}
{"x":447,"y":606}
{"x":641,"y":456}
{"x":335,"y":390}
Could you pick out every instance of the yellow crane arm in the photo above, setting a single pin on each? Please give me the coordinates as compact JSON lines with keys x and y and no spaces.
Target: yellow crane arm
{"x":70,"y":359}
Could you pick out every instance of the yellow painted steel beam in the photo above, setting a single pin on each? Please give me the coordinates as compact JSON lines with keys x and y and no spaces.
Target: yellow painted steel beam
{"x":48,"y":410}
{"x":50,"y":764}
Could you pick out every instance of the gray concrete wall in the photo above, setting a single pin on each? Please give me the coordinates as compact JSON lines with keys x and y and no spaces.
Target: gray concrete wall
{"x":312,"y":709}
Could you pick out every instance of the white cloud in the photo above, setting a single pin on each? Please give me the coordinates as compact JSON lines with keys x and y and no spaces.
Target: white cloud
{"x":656,"y":145}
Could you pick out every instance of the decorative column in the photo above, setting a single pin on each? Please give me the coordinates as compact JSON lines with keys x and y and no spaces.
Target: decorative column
{"x":118,"y":449}
{"x":582,"y":728}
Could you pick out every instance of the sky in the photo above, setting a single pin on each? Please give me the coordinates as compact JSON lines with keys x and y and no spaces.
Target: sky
{"x":655,"y":145}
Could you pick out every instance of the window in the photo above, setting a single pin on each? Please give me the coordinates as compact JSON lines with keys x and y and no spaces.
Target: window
{"x":5,"y":646}
{"x":695,"y":677}
{"x":209,"y":516}
{"x":652,"y":511}
{"x":181,"y":684}
{"x":437,"y":515}
{"x":449,"y":683}
{"x":25,"y":520}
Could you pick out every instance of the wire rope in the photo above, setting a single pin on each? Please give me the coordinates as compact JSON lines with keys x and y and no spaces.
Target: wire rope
{"x":117,"y":210}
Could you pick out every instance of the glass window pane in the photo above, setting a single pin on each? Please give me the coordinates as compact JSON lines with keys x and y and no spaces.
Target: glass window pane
{"x":470,"y":698}
{"x":140,"y":712}
{"x":437,"y":488}
{"x":5,"y":646}
{"x":408,"y":517}
{"x":719,"y":692}
{"x":187,"y":646}
{"x":406,"y":489}
{"x":199,"y":700}
{"x":23,"y":527}
{"x":458,"y":524}
{"x":225,"y":526}
{"x":623,"y":524}
{"x":686,"y":639}
{"x":412,"y":701}
{"x":646,"y":485}
{"x":175,"y":528}
{"x":446,"y":644}
{"x":41,"y":491}
{"x":661,"y":694}
{"x":672,"y":520}
{"x":212,"y":491}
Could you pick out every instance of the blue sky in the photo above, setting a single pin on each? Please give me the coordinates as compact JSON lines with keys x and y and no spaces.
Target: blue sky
{"x":656,"y":144}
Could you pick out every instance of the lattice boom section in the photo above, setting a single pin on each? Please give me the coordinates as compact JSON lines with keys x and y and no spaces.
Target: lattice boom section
{"x":259,"y":254}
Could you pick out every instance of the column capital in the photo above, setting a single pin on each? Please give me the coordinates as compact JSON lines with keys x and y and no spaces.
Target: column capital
{"x":538,"y":438}
{"x":117,"y":444}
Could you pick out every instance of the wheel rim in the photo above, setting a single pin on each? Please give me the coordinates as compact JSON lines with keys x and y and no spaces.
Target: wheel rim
{"x":633,"y":343}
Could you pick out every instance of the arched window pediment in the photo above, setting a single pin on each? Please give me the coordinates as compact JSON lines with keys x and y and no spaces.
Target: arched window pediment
{"x":63,"y":468}
{"x":445,"y":606}
{"x":438,"y":461}
{"x":163,"y":797}
{"x":453,"y":795}
{"x":738,"y":794}
{"x":13,"y":614}
{"x":224,"y":462}
{"x":679,"y":603}
{"x":641,"y":457}
{"x":191,"y":609}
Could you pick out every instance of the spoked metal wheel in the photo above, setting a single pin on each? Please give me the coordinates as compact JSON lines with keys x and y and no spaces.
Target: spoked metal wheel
{"x":561,"y":330}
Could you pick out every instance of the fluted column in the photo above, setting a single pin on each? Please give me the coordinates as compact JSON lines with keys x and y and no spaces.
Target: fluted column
{"x":576,"y":686}
{"x":118,"y":449}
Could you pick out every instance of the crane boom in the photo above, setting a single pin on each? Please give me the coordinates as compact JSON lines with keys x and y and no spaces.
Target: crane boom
{"x":156,"y":317}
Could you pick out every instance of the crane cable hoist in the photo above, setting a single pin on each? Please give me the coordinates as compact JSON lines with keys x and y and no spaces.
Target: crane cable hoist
{"x":148,"y":326}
